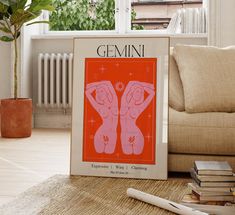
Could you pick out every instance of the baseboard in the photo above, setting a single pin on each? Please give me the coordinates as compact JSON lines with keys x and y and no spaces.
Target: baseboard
{"x":52,"y":120}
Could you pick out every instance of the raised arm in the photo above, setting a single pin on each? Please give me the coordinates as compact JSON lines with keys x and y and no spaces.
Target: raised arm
{"x":149,"y":88}
{"x":90,"y":88}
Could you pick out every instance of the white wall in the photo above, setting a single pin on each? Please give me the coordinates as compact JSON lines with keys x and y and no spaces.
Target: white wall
{"x":5,"y":70}
{"x":221,"y":22}
{"x":227,"y":22}
{"x":42,"y":118}
{"x":26,"y":79}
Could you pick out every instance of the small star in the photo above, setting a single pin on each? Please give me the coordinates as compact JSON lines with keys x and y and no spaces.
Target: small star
{"x":117,"y":64}
{"x":130,"y":74}
{"x":92,"y":121}
{"x":148,"y":137}
{"x":149,"y":116}
{"x":102,"y":69}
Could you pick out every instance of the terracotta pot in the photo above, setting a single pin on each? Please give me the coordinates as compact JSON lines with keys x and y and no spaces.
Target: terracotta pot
{"x":16,"y":118}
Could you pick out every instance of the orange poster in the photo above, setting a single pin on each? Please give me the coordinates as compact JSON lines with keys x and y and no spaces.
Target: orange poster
{"x":120,"y":110}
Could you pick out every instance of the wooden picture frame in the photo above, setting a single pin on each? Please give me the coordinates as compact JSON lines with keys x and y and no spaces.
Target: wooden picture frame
{"x":120,"y":107}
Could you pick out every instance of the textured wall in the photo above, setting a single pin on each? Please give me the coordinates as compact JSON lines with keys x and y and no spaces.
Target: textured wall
{"x":5,"y":68}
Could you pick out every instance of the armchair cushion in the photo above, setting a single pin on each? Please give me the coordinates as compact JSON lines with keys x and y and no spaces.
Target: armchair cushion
{"x":202,"y":133}
{"x":208,"y":77}
{"x":176,"y":93}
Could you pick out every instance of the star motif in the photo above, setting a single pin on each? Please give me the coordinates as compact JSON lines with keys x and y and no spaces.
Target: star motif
{"x":92,"y":121}
{"x":119,"y":86}
{"x":148,"y":137}
{"x":102,"y":69}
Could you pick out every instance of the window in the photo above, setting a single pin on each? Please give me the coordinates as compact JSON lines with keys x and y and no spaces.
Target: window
{"x":158,"y":14}
{"x":127,"y":16}
{"x":82,"y":15}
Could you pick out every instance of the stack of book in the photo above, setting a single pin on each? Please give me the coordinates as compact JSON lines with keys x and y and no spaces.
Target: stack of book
{"x":189,"y":21}
{"x":212,"y":182}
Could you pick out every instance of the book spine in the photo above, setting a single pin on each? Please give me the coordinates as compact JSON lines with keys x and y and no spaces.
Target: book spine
{"x":195,"y":167}
{"x":194,"y":177}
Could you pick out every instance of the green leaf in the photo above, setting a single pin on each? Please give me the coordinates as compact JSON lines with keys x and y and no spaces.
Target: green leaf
{"x":21,"y":4}
{"x":3,"y":8}
{"x":18,"y":12}
{"x":6,"y":39}
{"x":20,"y":16}
{"x":49,"y":8}
{"x":38,"y":22}
{"x":5,"y":2}
{"x":5,"y":30}
{"x":38,"y":5}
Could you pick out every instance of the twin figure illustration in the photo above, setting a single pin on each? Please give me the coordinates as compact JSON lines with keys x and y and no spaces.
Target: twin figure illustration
{"x":133,"y":103}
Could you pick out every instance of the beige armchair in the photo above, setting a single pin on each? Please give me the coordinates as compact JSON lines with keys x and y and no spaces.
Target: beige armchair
{"x":196,"y":136}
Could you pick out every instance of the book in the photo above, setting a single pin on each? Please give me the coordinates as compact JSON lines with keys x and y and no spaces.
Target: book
{"x":214,"y":198}
{"x":190,"y":20}
{"x":210,"y":183}
{"x":212,"y":193}
{"x":196,"y":21}
{"x":216,"y":178}
{"x":182,"y":19}
{"x":192,"y":199}
{"x":216,"y":184}
{"x":178,"y":23}
{"x":187,"y":24}
{"x":213,"y":168}
{"x":213,"y":209}
{"x":172,"y":24}
{"x":194,"y":186}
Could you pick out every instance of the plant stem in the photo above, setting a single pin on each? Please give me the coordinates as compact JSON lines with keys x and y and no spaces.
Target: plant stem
{"x":15,"y":69}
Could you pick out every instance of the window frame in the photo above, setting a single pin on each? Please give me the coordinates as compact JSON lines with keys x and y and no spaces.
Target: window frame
{"x":128,"y":24}
{"x":46,"y":31}
{"x":122,"y":24}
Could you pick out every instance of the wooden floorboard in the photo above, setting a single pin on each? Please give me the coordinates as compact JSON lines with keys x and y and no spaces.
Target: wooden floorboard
{"x":29,"y":161}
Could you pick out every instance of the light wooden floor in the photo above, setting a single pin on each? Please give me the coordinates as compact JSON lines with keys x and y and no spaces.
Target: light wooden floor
{"x":27,"y":162}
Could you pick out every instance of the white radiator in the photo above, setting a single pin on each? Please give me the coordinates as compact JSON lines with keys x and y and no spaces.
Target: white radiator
{"x":55,"y":80}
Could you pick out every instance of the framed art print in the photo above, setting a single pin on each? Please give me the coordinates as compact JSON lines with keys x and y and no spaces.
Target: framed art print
{"x":120,"y":110}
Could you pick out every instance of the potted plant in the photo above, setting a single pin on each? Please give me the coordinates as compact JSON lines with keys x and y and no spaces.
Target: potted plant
{"x":16,"y":113}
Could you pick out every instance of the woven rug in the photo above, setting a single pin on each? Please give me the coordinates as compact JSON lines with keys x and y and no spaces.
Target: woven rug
{"x":92,"y":195}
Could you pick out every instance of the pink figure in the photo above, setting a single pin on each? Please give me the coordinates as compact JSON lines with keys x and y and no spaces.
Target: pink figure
{"x":106,"y":104}
{"x":133,"y":104}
